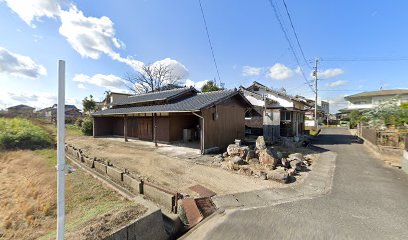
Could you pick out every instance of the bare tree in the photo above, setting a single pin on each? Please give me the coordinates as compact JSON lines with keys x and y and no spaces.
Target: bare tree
{"x":152,"y":77}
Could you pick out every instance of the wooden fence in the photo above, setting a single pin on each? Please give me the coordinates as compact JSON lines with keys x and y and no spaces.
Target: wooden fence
{"x":384,"y":138}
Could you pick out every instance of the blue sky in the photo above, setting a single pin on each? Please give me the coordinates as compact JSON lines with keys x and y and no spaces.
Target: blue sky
{"x":103,"y":40}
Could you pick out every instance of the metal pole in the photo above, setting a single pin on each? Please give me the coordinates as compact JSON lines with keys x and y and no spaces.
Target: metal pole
{"x":315,"y":75}
{"x":61,"y":151}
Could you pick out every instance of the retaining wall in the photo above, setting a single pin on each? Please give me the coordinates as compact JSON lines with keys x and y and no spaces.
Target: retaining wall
{"x":404,"y":161}
{"x":146,"y":228}
{"x":161,"y":196}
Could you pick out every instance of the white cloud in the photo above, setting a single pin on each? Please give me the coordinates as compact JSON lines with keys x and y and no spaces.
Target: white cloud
{"x":32,"y":10}
{"x":37,"y":100}
{"x":19,"y":65}
{"x":280,"y":72}
{"x":101,"y":80}
{"x":337,"y":83}
{"x":89,"y":36}
{"x":177,"y":69}
{"x":197,"y":85}
{"x":329,"y":73}
{"x":81,"y":86}
{"x":251,"y":71}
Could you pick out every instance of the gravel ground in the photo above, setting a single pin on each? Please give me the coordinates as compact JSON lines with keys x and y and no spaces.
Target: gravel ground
{"x":172,"y":167}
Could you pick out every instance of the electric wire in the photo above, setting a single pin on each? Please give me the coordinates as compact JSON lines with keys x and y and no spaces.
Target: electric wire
{"x":289,"y":42}
{"x":296,"y":36}
{"x":209,"y":41}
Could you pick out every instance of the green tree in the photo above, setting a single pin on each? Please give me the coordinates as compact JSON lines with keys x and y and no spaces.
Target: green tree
{"x":388,"y":114}
{"x":355,"y":118}
{"x":89,"y":104}
{"x":210,"y":86}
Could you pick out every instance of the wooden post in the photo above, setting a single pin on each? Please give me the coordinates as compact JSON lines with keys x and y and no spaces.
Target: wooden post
{"x":155,"y":129}
{"x":125,"y":128}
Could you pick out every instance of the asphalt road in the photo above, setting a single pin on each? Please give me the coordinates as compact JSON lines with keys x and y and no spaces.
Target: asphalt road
{"x":368,"y":200}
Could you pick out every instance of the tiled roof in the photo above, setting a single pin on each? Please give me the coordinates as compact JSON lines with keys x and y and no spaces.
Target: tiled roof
{"x":379,"y":93}
{"x":21,"y":106}
{"x":190,"y":104}
{"x":281,"y":94}
{"x":154,"y":96}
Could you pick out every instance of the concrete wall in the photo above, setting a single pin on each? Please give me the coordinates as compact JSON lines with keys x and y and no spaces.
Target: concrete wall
{"x":163,"y":198}
{"x":404,"y":161}
{"x":146,"y":228}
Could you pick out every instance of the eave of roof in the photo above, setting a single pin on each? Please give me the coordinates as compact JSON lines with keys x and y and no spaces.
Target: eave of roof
{"x":391,"y":92}
{"x":279,"y":93}
{"x":154,"y":96}
{"x":191,"y":104}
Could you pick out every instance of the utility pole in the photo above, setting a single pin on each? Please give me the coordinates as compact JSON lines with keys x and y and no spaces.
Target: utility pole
{"x":61,"y":151}
{"x":315,"y":75}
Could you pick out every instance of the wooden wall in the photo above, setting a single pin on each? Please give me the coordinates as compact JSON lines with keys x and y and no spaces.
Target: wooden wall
{"x":229,"y":126}
{"x":178,"y":122}
{"x":104,"y":126}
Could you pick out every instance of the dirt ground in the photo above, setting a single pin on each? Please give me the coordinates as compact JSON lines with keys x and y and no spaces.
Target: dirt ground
{"x":28,"y":199}
{"x":174,"y":168}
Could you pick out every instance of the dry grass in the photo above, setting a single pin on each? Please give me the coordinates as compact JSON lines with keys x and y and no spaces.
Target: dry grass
{"x":28,"y":197}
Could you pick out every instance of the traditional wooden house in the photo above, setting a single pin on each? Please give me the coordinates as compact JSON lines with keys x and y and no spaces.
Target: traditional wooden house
{"x":211,"y":120}
{"x":282,"y":115}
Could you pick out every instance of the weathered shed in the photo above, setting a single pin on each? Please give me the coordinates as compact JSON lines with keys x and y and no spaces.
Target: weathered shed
{"x":211,"y":120}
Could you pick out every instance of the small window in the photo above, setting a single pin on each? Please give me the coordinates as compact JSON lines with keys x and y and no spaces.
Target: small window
{"x":285,"y":116}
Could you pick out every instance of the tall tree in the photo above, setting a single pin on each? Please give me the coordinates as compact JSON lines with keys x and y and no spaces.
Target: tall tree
{"x":152,"y":77}
{"x":89,"y":104}
{"x":209,"y":87}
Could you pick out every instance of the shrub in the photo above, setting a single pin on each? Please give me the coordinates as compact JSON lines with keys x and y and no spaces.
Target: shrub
{"x":78,"y":122}
{"x":18,"y":133}
{"x":87,"y":126}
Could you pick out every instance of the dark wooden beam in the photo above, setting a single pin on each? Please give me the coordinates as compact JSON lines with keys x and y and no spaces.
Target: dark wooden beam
{"x":155,"y":129}
{"x":125,"y":127}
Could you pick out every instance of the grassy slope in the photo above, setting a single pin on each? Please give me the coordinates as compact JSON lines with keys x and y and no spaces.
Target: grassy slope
{"x":28,"y":193}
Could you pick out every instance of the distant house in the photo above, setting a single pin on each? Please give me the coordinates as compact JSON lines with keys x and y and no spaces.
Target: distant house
{"x":282,"y":115}
{"x":20,"y":110}
{"x":210,"y":120}
{"x":71,"y":112}
{"x":369,"y":100}
{"x":111,"y":99}
{"x":323,"y":111}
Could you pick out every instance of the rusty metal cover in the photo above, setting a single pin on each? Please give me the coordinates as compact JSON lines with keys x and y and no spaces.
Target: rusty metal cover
{"x":206,"y":206}
{"x":202,"y":191}
{"x":192,"y":212}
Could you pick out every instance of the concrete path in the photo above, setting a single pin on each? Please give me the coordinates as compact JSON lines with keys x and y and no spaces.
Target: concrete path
{"x":368,"y":200}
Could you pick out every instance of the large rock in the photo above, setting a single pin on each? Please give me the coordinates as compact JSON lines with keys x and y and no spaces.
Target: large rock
{"x":233,"y":150}
{"x":285,"y":162}
{"x":291,"y":172}
{"x":297,"y":156}
{"x":243,"y":152}
{"x":253,"y":161}
{"x":296,"y":164}
{"x":260,"y":143}
{"x":238,"y":160}
{"x":278,"y":176}
{"x":251,"y":154}
{"x":228,"y":165}
{"x":266,"y":157}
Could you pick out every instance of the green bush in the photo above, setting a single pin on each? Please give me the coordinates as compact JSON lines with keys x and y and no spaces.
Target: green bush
{"x":87,"y":126}
{"x":78,"y":122}
{"x":18,"y":133}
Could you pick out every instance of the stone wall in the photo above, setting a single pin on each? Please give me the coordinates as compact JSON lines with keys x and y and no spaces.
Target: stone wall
{"x":404,"y":161}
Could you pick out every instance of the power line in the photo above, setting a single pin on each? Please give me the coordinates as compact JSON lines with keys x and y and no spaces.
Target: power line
{"x":276,"y":11}
{"x":364,"y":59}
{"x":296,"y":36}
{"x":209,"y":40}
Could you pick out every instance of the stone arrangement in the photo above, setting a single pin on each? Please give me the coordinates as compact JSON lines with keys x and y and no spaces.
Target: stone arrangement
{"x":262,"y":161}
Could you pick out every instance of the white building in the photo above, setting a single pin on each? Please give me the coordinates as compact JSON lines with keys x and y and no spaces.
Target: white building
{"x":367,"y":100}
{"x":281,"y":115}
